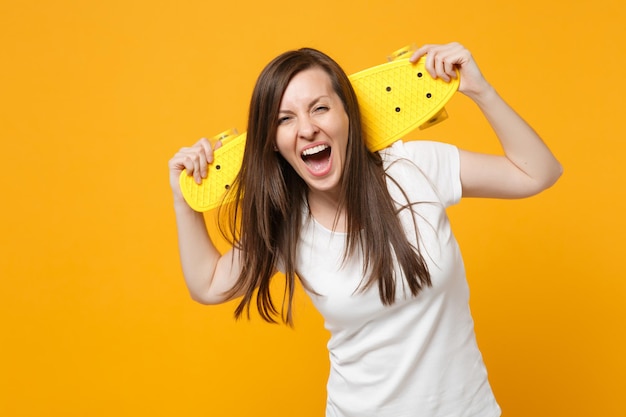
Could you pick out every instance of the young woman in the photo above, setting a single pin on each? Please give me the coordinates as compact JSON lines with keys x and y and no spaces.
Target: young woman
{"x":366,"y":233}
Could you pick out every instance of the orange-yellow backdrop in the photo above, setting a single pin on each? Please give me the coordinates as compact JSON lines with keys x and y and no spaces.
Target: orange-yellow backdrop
{"x":96,"y":97}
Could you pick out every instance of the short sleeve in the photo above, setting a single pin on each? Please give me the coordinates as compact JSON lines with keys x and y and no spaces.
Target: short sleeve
{"x":439,"y":162}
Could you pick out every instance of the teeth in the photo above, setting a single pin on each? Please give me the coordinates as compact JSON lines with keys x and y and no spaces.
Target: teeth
{"x":314,"y":150}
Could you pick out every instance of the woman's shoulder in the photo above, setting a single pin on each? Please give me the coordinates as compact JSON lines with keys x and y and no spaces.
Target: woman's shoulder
{"x":421,"y":152}
{"x":418,"y":163}
{"x":404,"y":148}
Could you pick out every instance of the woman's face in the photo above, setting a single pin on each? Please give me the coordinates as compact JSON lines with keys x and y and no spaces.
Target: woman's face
{"x":313,"y":130}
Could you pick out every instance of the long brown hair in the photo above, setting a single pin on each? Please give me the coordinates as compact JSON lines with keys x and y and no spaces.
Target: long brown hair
{"x":264,"y":222}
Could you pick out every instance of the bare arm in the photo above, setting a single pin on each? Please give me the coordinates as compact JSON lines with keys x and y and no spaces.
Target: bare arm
{"x":527,"y":166}
{"x":208,"y":274}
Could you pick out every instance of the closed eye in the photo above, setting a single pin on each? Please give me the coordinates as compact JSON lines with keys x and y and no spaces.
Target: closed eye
{"x":283,"y":119}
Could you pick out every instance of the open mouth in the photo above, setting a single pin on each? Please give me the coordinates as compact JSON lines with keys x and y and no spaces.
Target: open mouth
{"x":317,"y":157}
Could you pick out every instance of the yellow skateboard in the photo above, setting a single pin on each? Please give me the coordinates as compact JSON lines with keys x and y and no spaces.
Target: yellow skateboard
{"x":395,"y":98}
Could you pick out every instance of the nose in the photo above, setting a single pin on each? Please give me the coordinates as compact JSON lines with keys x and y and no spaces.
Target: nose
{"x":307,"y":129}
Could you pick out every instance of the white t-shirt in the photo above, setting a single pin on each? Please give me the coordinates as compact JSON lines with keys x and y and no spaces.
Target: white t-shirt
{"x":417,"y":357}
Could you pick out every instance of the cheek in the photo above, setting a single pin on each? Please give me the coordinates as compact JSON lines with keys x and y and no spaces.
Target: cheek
{"x":284,"y":147}
{"x":280,"y":140}
{"x":280,"y":143}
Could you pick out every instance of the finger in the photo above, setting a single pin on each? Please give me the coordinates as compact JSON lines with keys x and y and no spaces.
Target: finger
{"x":188,"y":158}
{"x":440,"y":64}
{"x":431,"y":64}
{"x":420,"y":52}
{"x":451,"y":58}
{"x":198,"y":159}
{"x":205,"y":147}
{"x":197,"y":168}
{"x":188,"y":164}
{"x":205,"y":156}
{"x":458,"y":56}
{"x":181,"y":161}
{"x":448,"y":70}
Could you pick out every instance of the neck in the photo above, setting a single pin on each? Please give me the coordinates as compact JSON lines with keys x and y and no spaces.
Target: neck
{"x":326,"y":210}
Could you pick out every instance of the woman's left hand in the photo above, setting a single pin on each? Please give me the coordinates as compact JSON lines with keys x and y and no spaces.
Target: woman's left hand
{"x":527,"y":166}
{"x":442,"y":61}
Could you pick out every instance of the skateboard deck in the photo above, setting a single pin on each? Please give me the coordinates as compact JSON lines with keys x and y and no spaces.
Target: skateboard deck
{"x":395,"y":98}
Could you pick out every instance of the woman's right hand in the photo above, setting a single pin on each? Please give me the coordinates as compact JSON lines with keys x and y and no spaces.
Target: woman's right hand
{"x":194,"y":160}
{"x":208,"y":279}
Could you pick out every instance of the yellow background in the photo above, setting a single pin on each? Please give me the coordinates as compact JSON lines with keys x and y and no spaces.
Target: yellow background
{"x":97,"y":96}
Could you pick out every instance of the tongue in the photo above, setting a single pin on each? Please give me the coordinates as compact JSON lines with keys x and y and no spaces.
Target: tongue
{"x":319,"y":161}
